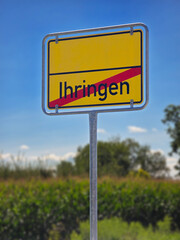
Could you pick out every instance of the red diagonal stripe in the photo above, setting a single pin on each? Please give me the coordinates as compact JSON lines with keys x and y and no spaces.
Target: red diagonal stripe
{"x":120,"y":77}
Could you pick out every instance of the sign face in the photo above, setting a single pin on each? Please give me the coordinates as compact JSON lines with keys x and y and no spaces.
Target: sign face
{"x":97,"y":70}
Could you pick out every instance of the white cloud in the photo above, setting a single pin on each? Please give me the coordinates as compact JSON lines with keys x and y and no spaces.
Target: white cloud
{"x":134,"y":129}
{"x":57,"y":158}
{"x":101,"y":130}
{"x":5,"y":155}
{"x":33,"y":159}
{"x":158,"y":150}
{"x":51,"y":156}
{"x":24,"y":147}
{"x":68,"y":156}
{"x":171,"y":162}
{"x":11,"y":158}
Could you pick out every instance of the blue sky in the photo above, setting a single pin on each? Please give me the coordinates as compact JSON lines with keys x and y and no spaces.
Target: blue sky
{"x":23,"y":24}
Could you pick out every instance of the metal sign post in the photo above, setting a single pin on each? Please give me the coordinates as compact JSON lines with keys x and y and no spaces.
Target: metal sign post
{"x":93,"y":174}
{"x":95,"y":73}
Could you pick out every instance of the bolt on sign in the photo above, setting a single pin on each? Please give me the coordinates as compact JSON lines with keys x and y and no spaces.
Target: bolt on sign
{"x":94,"y":71}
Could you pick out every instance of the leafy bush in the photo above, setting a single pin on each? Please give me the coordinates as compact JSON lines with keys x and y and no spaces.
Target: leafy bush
{"x":28,"y":211}
{"x":139,"y":174}
{"x":39,"y":210}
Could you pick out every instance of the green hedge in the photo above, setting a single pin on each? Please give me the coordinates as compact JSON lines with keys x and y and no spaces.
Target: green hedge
{"x":29,"y":210}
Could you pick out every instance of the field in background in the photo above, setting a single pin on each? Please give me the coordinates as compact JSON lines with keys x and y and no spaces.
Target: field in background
{"x":42,"y":209}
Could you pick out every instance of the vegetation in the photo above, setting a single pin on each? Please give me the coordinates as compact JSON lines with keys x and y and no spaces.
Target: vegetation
{"x":40,"y":209}
{"x":116,"y":229}
{"x":119,"y":158}
{"x":172,"y":119}
{"x":134,"y":202}
{"x":115,"y":158}
{"x":19,"y":168}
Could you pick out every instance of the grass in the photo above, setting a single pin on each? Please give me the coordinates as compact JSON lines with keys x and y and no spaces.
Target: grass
{"x":116,"y":229}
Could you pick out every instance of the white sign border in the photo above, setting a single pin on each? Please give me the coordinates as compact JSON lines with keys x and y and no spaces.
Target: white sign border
{"x":131,"y":107}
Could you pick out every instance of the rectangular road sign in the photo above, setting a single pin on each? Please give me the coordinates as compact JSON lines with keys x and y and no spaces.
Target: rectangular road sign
{"x":95,"y":70}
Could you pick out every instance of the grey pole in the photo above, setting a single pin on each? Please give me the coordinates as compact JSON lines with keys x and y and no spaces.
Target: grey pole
{"x":93,"y":174}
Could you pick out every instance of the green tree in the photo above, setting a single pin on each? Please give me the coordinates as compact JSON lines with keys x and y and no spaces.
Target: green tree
{"x":172,"y":120}
{"x":113,"y":159}
{"x":152,"y":162}
{"x":155,"y":164}
{"x":118,"y":158}
{"x":82,"y":161}
{"x":65,"y":169}
{"x":133,"y":148}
